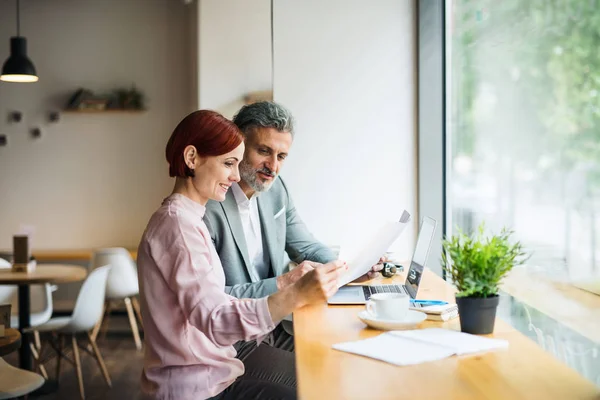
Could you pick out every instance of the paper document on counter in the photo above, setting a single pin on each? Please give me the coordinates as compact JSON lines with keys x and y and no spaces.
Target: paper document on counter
{"x":375,"y":248}
{"x":460,"y":342}
{"x":420,"y":345}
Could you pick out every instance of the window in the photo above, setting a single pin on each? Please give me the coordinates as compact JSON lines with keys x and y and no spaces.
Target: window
{"x":523,"y":132}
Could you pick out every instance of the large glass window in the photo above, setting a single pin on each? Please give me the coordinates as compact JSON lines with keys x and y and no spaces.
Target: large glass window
{"x":523,"y":129}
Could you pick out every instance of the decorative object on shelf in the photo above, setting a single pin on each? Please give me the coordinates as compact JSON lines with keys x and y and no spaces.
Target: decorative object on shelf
{"x":476,"y":265}
{"x":15,"y":116}
{"x":129,"y":99}
{"x":35,"y":132}
{"x":3,"y":140}
{"x":119,"y":99}
{"x":53,"y":116}
{"x":84,"y":99}
{"x":18,"y":67}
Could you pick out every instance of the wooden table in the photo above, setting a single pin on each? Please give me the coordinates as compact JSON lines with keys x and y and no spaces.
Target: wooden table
{"x":522,"y":371}
{"x":44,"y":273}
{"x":70,"y":255}
{"x":66,"y":255}
{"x":10,"y":342}
{"x":573,"y":307}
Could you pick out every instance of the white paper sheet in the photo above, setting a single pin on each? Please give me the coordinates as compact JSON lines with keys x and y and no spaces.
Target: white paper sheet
{"x":362,"y":262}
{"x":395,"y":350}
{"x":460,"y":342}
{"x":420,"y":345}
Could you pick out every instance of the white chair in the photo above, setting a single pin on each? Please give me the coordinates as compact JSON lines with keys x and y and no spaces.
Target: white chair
{"x":87,"y":312}
{"x":15,"y":382}
{"x":41,"y":306}
{"x":41,"y":303}
{"x":122,"y":285}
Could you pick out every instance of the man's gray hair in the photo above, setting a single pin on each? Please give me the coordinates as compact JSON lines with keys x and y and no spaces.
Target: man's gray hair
{"x":266,"y":114}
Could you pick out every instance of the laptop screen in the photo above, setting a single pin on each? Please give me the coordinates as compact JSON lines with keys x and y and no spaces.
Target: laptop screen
{"x":419,"y":259}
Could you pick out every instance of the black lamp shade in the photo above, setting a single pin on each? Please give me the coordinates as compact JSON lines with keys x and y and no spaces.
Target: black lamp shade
{"x":18,"y":67}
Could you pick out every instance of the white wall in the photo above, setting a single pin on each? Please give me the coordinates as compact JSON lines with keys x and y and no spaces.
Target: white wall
{"x":346,"y":69}
{"x":91,"y":180}
{"x":234,"y":52}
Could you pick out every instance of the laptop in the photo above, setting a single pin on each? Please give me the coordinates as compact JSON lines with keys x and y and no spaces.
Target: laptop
{"x":359,"y":294}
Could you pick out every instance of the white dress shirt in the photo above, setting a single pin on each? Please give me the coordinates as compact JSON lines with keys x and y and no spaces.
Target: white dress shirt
{"x":252,"y":231}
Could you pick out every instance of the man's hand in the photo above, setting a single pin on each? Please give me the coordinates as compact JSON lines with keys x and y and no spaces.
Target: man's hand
{"x":289,"y":278}
{"x":373,"y":272}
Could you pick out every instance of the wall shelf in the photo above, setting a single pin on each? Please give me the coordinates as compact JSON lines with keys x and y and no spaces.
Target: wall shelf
{"x":109,"y":111}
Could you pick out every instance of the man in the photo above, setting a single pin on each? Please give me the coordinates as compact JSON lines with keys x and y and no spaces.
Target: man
{"x":257,"y":223}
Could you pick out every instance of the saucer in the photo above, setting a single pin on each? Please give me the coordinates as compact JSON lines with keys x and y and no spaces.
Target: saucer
{"x":412,"y":319}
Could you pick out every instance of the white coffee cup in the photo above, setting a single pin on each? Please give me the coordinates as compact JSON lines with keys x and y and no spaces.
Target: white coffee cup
{"x":390,"y":306}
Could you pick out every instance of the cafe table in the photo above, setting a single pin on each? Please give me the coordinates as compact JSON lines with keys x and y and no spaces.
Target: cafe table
{"x":10,"y":341}
{"x":44,"y":273}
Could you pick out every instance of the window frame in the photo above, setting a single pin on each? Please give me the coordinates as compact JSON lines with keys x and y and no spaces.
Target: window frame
{"x":433,"y":151}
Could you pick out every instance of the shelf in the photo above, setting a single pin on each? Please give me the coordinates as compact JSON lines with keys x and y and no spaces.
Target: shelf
{"x":260,"y":95}
{"x":109,"y":111}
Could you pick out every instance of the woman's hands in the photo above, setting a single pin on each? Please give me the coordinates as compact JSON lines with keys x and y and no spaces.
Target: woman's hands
{"x":291,"y":277}
{"x":315,"y":286}
{"x":320,"y":283}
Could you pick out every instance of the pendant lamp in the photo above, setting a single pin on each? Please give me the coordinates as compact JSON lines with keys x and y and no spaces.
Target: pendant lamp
{"x":18,"y":67}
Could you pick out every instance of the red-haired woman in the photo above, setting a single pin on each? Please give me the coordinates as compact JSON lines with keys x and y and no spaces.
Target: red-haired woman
{"x":190,"y":323}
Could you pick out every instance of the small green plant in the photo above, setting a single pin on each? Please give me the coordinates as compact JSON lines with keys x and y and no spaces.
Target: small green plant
{"x":477,"y":263}
{"x":129,"y":99}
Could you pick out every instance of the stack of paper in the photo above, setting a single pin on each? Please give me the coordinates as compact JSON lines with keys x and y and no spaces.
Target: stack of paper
{"x":443,"y":312}
{"x":420,"y":345}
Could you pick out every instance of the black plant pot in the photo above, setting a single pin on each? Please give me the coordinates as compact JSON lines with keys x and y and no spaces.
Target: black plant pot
{"x":477,"y":314}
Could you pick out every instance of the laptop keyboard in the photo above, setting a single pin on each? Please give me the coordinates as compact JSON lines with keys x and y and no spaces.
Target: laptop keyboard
{"x":371,"y":290}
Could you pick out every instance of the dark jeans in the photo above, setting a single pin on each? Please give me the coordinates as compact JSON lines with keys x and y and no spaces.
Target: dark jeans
{"x":278,"y":338}
{"x":270,"y":369}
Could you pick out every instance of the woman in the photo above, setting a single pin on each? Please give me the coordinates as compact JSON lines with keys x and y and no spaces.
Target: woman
{"x":190,"y":324}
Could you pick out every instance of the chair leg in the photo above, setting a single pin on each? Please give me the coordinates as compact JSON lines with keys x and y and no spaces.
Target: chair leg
{"x":78,"y":366}
{"x":61,"y":346}
{"x":133,"y":323}
{"x":37,"y":362}
{"x":105,"y":322}
{"x":105,"y":309}
{"x":136,"y":307}
{"x":100,"y":360}
{"x":36,"y":338}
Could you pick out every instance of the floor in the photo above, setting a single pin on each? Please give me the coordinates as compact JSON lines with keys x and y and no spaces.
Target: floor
{"x":123,"y":361}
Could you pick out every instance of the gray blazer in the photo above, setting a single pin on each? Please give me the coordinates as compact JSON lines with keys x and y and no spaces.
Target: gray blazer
{"x":282,"y":229}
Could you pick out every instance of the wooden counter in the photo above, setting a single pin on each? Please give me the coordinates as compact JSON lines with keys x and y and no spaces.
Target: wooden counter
{"x":575,"y":308}
{"x":523,"y":371}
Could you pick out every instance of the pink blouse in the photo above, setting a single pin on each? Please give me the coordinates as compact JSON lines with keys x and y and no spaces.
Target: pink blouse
{"x":190,"y":323}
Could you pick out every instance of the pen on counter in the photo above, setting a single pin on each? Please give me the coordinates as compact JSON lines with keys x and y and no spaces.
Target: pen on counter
{"x":430,"y":302}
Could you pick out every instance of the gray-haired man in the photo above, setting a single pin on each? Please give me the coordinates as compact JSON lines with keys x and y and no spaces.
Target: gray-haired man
{"x":257,"y":223}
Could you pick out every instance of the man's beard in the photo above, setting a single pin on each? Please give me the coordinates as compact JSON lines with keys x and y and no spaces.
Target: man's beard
{"x":249,"y":175}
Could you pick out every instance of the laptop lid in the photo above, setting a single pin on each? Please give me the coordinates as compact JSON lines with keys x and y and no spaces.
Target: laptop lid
{"x":419,"y":258}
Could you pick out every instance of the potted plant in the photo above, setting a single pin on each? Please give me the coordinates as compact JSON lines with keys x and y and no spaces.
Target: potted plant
{"x":476,"y":264}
